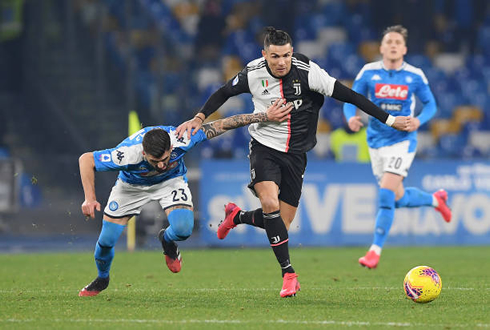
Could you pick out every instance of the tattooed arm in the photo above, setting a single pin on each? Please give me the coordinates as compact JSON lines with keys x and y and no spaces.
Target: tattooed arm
{"x":218,"y":127}
{"x":276,"y":112}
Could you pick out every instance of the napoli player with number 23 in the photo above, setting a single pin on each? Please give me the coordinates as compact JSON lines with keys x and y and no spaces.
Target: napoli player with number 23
{"x":151,"y":168}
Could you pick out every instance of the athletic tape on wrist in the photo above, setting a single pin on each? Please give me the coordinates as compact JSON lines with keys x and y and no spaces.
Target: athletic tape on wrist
{"x":390,"y":120}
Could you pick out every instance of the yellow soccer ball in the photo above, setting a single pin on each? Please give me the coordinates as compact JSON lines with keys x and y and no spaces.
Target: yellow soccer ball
{"x":422,"y":284}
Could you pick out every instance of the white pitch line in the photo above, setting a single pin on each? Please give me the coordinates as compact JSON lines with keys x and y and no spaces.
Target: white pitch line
{"x":239,"y":289}
{"x":280,"y":321}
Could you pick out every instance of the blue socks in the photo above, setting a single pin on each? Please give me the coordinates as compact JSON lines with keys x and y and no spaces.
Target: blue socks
{"x":104,"y":249}
{"x":384,"y":218}
{"x":181,"y":225}
{"x":414,"y":197}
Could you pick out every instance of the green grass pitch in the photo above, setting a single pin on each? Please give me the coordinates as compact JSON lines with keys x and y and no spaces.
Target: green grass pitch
{"x":239,"y":289}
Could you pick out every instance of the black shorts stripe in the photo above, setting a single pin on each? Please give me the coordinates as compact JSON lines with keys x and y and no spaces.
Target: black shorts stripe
{"x":177,"y":205}
{"x":121,"y":216}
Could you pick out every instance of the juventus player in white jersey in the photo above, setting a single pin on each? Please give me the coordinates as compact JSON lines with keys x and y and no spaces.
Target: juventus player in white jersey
{"x":278,"y":150}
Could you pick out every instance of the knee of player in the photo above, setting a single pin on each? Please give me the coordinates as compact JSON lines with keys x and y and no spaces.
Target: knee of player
{"x":182,"y":222}
{"x":386,"y":198}
{"x":269,"y":204}
{"x":110,"y":234}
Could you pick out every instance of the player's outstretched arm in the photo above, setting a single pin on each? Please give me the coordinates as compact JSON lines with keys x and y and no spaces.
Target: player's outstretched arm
{"x":345,"y":94}
{"x":87,"y":175}
{"x":277,"y":112}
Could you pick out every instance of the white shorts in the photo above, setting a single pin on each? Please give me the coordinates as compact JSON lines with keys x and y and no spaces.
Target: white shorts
{"x":128,"y":199}
{"x":392,"y":159}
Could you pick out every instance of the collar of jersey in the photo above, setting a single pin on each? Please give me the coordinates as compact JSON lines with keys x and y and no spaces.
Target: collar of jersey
{"x":404,"y":64}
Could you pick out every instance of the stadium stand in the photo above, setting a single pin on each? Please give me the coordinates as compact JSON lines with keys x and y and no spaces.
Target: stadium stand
{"x":183,"y":48}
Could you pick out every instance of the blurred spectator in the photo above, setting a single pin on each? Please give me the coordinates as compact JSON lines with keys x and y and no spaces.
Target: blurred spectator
{"x":11,"y":27}
{"x":210,"y":31}
{"x":349,"y":146}
{"x":458,"y":21}
{"x":279,"y":13}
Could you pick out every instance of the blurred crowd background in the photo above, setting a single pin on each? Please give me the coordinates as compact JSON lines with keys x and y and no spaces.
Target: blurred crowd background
{"x":71,"y":70}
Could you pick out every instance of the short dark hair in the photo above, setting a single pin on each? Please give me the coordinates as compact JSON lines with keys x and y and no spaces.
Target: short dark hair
{"x":398,"y":29}
{"x":276,"y":37}
{"x":156,"y":142}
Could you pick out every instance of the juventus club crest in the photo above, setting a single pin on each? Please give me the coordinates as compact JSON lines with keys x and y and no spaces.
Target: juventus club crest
{"x":297,"y":88}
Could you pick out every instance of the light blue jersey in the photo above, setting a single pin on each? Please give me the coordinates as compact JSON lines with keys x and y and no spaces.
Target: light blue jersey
{"x":393,"y":91}
{"x":127,"y":158}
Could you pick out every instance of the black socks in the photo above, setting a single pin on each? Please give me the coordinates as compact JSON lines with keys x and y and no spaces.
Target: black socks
{"x":254,"y":218}
{"x":278,"y":238}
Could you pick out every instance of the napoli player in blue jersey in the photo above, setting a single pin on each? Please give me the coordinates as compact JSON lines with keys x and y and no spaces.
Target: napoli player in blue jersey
{"x":151,"y":168}
{"x":392,"y":84}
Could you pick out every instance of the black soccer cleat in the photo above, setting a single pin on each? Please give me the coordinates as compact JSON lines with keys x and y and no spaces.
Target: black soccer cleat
{"x":95,"y":287}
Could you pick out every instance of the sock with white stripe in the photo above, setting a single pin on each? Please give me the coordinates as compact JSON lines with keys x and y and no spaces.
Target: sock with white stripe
{"x":254,"y":218}
{"x":278,"y":238}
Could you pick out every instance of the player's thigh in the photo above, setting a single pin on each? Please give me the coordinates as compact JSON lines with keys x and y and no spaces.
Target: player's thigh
{"x":126,"y":200}
{"x":293,"y":168}
{"x":393,"y":182}
{"x":174,"y":193}
{"x":177,"y":207}
{"x":120,"y":221}
{"x":263,"y":167}
{"x":395,"y":159}
{"x":268,"y":193}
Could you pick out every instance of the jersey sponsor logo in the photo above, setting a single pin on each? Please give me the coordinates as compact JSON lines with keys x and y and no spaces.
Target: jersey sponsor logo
{"x":297,"y":103}
{"x":390,"y":91}
{"x":235,"y":81}
{"x":391,"y":107}
{"x":105,"y":158}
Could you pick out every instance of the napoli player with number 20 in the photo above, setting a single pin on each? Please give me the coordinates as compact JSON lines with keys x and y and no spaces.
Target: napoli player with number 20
{"x":392,"y":84}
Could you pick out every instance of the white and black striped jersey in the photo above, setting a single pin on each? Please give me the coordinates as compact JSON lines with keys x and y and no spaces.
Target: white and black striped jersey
{"x":305,"y":86}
